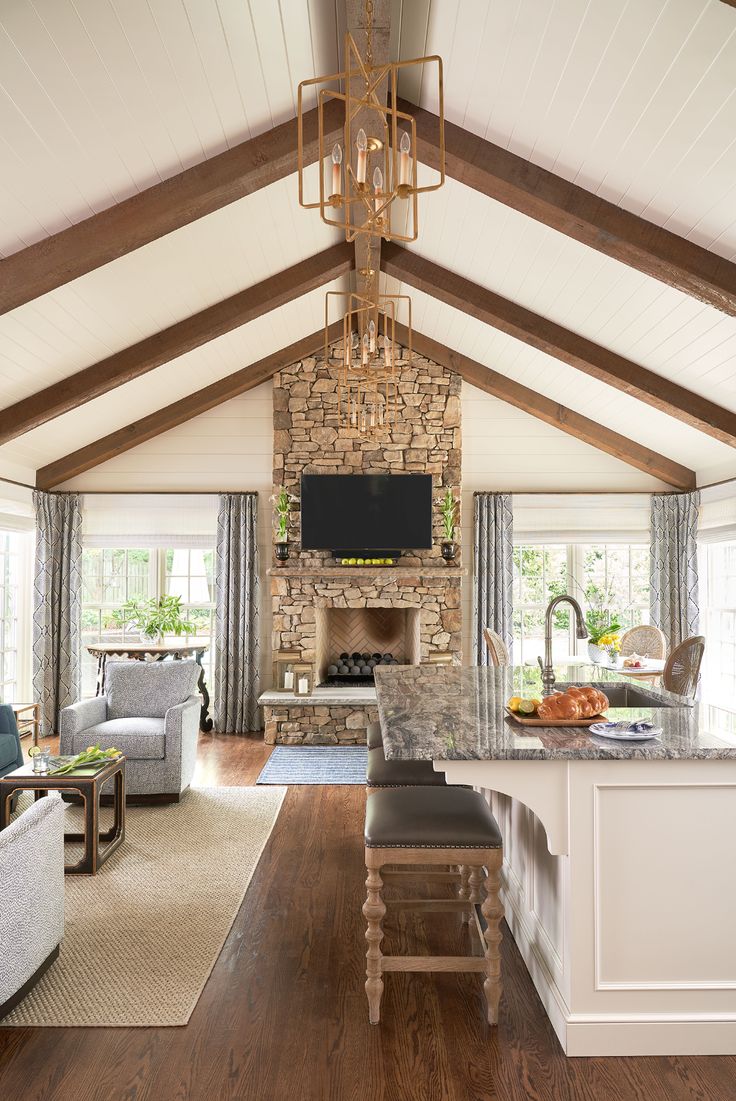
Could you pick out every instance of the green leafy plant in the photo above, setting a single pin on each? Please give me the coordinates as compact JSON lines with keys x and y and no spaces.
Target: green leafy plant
{"x":90,"y":756}
{"x":154,"y":617}
{"x":600,"y":623}
{"x":449,"y":515}
{"x":281,"y":505}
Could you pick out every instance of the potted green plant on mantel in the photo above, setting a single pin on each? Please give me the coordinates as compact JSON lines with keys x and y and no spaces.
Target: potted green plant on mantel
{"x":449,"y":525}
{"x":154,"y":618}
{"x":281,"y":506}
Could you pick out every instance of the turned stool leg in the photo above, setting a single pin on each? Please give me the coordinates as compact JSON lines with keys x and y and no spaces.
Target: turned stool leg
{"x":463,"y":893}
{"x":374,"y":910}
{"x":475,"y":879}
{"x":492,"y":911}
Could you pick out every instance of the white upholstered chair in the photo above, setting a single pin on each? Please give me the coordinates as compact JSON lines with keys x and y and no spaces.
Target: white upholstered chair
{"x":31,"y":898}
{"x":150,"y":711}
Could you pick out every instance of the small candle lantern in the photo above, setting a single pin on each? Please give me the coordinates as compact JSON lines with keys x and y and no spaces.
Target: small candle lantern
{"x":284,"y":664}
{"x":303,"y":678}
{"x":437,"y":658}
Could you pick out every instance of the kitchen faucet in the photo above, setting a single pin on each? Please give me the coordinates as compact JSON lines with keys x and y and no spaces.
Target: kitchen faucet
{"x":581,"y":631}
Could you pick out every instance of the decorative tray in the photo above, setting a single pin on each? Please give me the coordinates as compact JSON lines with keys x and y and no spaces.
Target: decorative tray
{"x":533,"y":720}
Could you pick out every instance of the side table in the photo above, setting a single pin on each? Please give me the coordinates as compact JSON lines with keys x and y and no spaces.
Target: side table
{"x":28,"y":719}
{"x":88,"y":783}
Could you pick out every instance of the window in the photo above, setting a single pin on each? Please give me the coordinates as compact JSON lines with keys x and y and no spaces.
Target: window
{"x":112,"y":576}
{"x":612,"y":575}
{"x":718,"y":599}
{"x":14,"y":617}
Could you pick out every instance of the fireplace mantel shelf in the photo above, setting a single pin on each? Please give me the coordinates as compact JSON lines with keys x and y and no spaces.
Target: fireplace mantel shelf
{"x":368,"y":573}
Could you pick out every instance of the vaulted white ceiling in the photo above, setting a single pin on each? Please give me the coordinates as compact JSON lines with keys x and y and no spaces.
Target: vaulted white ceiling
{"x":635,"y":101}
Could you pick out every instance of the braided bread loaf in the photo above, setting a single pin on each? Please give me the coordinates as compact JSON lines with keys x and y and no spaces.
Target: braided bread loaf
{"x":575,"y":703}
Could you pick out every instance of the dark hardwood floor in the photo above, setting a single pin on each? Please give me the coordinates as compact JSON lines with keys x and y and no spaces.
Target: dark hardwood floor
{"x":284,"y":1014}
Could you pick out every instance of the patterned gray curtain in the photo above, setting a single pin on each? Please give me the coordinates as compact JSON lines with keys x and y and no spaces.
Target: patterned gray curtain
{"x":674,"y":565}
{"x":493,"y":572}
{"x":57,"y":586}
{"x":237,"y":646}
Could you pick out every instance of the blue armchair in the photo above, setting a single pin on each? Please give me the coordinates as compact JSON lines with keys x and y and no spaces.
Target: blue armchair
{"x":11,"y":754}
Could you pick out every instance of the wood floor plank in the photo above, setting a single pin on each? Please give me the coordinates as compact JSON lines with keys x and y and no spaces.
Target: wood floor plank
{"x":284,"y":1013}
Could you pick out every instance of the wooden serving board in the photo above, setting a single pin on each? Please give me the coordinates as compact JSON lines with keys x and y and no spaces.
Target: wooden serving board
{"x":532,"y":720}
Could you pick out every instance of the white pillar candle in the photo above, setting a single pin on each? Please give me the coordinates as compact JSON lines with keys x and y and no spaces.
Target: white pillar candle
{"x":336,"y":170}
{"x":404,"y":161}
{"x":289,"y":679}
{"x":377,"y":189}
{"x":361,"y":144}
{"x":303,"y":686}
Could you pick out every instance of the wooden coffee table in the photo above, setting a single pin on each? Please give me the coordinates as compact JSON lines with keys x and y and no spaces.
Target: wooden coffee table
{"x":98,"y":847}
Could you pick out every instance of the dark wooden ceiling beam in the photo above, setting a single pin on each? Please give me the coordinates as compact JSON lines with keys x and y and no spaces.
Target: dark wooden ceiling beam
{"x":577,"y":213}
{"x":551,"y":412}
{"x":162,"y":420}
{"x":162,"y":347}
{"x":160,"y":209}
{"x":584,"y":355}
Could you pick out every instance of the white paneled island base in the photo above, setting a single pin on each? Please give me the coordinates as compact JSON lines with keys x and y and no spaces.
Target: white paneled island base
{"x":628,"y":929}
{"x":619,"y":878}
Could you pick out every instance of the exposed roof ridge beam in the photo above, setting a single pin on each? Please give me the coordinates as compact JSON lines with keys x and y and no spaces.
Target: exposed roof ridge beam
{"x":161,"y":209}
{"x":183,"y":336}
{"x":552,"y":412}
{"x":569,"y":347}
{"x":577,"y":213}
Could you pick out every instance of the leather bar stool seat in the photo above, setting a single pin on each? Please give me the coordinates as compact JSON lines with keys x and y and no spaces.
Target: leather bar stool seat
{"x":400,"y":774}
{"x":412,"y":827}
{"x":374,"y":736}
{"x":418,"y":818}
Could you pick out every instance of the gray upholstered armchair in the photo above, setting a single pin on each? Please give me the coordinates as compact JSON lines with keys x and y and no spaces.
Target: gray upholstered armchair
{"x":32,"y":893}
{"x":150,"y":711}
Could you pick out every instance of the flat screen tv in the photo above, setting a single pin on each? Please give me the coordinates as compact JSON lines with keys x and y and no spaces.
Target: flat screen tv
{"x":366,"y":512}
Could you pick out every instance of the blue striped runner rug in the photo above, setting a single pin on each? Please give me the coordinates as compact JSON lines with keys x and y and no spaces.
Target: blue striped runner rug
{"x":315,"y":764}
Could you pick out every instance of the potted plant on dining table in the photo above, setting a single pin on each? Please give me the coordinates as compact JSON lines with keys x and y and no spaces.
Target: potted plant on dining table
{"x":604,"y":635}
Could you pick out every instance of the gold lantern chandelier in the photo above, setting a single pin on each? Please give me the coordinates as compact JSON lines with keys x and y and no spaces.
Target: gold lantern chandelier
{"x":376,"y":133}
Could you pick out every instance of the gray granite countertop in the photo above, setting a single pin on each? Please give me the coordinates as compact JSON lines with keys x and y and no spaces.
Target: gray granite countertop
{"x":444,"y":713}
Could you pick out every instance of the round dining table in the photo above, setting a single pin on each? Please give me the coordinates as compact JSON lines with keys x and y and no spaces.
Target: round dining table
{"x":146,"y":651}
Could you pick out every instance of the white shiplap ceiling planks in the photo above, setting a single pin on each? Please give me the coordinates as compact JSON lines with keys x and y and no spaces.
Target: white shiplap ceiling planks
{"x":155,"y":286}
{"x":100,"y":99}
{"x":581,"y":289}
{"x":172,"y":381}
{"x":634,"y":101}
{"x":560,"y":382}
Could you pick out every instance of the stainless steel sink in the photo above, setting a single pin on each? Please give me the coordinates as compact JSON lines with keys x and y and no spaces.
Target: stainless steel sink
{"x":626,"y":695}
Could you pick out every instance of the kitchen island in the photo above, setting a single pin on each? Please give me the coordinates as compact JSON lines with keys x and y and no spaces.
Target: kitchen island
{"x":619,"y":874}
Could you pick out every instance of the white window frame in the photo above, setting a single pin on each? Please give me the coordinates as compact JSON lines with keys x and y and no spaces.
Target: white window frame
{"x":157,"y":587}
{"x":19,"y":689}
{"x":575,"y":567}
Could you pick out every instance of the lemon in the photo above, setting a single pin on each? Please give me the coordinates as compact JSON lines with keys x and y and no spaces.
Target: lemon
{"x":34,"y":751}
{"x":513,"y":704}
{"x":527,"y":707}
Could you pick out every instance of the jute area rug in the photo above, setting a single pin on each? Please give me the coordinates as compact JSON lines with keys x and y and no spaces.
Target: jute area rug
{"x":142,"y":936}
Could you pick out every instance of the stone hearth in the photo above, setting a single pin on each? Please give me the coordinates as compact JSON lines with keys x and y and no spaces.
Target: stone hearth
{"x":430,"y":597}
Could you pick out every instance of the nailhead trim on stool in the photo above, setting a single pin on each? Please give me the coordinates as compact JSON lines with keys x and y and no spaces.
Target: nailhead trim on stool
{"x":429,"y":825}
{"x":400,"y":774}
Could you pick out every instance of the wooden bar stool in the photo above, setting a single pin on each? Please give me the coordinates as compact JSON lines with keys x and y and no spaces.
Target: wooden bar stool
{"x":426,"y":826}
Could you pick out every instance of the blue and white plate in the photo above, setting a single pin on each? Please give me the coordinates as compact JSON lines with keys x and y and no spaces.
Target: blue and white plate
{"x":626,"y":731}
